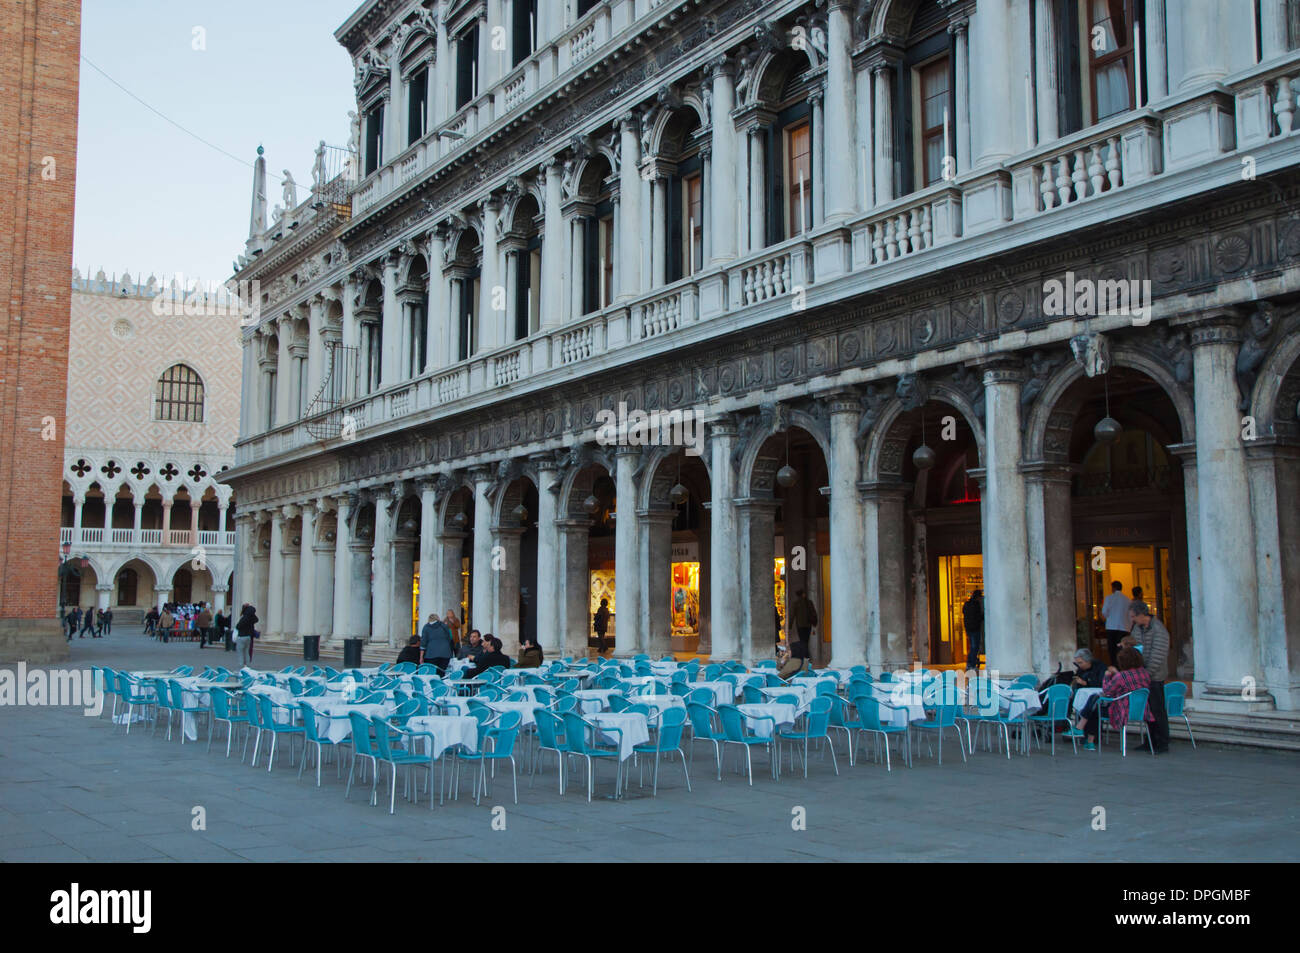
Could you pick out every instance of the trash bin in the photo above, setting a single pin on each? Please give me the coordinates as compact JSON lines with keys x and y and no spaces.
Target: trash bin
{"x":352,"y":653}
{"x":311,"y":648}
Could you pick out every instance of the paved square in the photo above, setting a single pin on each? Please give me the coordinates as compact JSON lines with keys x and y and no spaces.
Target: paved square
{"x":76,"y":788}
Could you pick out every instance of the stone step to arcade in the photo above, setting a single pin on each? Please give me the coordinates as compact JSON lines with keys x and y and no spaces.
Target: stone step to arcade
{"x":1279,"y":730}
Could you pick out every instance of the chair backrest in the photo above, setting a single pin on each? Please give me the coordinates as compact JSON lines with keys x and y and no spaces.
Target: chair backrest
{"x":177,"y":693}
{"x":752,"y":695}
{"x":671,"y":723}
{"x":288,"y":670}
{"x":575,"y":733}
{"x":1027,"y":680}
{"x":544,"y":696}
{"x":734,"y":666}
{"x":701,"y":716}
{"x":426,"y":668}
{"x":373,"y":698}
{"x":383,"y":737}
{"x":1175,"y":697}
{"x":640,"y":657}
{"x":436,"y":690}
{"x":1137,"y":705}
{"x":266,"y":711}
{"x":886,"y":676}
{"x":108,"y":681}
{"x":408,"y":709}
{"x":638,"y":710}
{"x":837,"y":711}
{"x":220,"y":703}
{"x":183,"y":670}
{"x":819,"y":716}
{"x":827,"y":688}
{"x":859,"y":670}
{"x":680,"y":689}
{"x":400,"y":696}
{"x":309,"y":717}
{"x":253,"y":711}
{"x":565,"y":705}
{"x":790,"y":699}
{"x":296,"y":685}
{"x":491,"y":693}
{"x":362,"y":743}
{"x":550,"y":727}
{"x":643,"y":668}
{"x":766,"y":663}
{"x":314,"y":691}
{"x":618,"y":703}
{"x":503,"y":734}
{"x":806,"y":673}
{"x":1057,"y":707}
{"x":678,"y":677}
{"x":162,"y":692}
{"x":868,"y":710}
{"x":945,"y":716}
{"x":858,"y":686}
{"x":385,"y":667}
{"x":733,"y":722}
{"x":712,"y":671}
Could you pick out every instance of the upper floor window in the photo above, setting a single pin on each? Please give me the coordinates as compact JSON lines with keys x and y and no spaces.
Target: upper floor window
{"x":1109,"y":39}
{"x":417,"y":106}
{"x":798,"y":178}
{"x":467,"y":66}
{"x":933,"y":87}
{"x":374,"y":138}
{"x":180,"y":395}
{"x":586,"y":6}
{"x":523,"y":27}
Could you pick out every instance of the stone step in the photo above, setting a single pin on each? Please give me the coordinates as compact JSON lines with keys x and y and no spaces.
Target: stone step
{"x":1279,"y":730}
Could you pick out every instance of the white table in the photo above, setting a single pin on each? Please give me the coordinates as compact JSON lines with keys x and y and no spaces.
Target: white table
{"x":658,"y":703}
{"x":663,"y":668}
{"x":1020,"y":701}
{"x":529,"y":690}
{"x":724,"y":693}
{"x":526,"y":710}
{"x":759,"y":725}
{"x":634,"y":728}
{"x":1081,"y":698}
{"x":447,"y":730}
{"x":334,"y":716}
{"x":804,"y":693}
{"x":591,"y":700}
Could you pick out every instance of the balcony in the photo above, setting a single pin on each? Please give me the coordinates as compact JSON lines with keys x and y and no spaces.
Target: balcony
{"x":100,"y":538}
{"x":1109,"y":171}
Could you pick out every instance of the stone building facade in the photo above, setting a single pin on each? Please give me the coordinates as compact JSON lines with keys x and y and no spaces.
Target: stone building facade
{"x":152,"y":419}
{"x":40,"y":47}
{"x":990,"y":295}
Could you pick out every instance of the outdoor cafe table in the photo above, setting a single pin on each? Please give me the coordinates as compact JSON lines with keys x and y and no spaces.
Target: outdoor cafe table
{"x":907,"y":706}
{"x":803,"y":692}
{"x":526,"y":710}
{"x":663,"y":668}
{"x":594,"y":699}
{"x":658,"y":703}
{"x":756,"y":722}
{"x":334,"y":716}
{"x":529,"y":690}
{"x":192,"y":695}
{"x":1081,"y":699}
{"x":635,"y":729}
{"x":724,"y":693}
{"x":447,"y":731}
{"x":1020,"y":701}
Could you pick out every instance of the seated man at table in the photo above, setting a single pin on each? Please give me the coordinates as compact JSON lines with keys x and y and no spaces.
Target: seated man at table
{"x":412,"y":651}
{"x":798,"y":660}
{"x":473,"y":648}
{"x":493,"y":658}
{"x":530,"y":655}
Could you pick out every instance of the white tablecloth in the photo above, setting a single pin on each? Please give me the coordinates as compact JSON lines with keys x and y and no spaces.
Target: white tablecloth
{"x":635,"y":729}
{"x":591,"y":700}
{"x":760,"y":726}
{"x":724,"y":693}
{"x":529,"y":690}
{"x":1020,"y":701}
{"x":1081,"y":698}
{"x":448,"y":730}
{"x":657,"y":703}
{"x":334,"y":723}
{"x":526,"y":710}
{"x":663,"y":668}
{"x":804,"y":693}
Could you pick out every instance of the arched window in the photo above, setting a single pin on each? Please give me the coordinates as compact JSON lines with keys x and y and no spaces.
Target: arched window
{"x":180,"y":395}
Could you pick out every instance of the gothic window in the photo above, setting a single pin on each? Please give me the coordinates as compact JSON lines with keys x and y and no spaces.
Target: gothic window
{"x":179,"y":395}
{"x":81,"y":468}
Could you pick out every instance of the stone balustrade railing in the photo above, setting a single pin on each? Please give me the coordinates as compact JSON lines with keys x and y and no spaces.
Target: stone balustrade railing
{"x":118,"y":536}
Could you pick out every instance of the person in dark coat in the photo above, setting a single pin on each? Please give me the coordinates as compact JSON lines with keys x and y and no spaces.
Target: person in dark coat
{"x":972,"y":617}
{"x":494,"y":658}
{"x":530,"y":655}
{"x":410,"y":652}
{"x":247,"y":629}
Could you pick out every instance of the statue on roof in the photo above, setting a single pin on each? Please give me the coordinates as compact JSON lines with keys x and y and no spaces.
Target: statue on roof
{"x":290,"y":191}
{"x":318,"y":169}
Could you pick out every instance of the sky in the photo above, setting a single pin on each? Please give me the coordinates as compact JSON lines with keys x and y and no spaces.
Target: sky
{"x":238,"y":73}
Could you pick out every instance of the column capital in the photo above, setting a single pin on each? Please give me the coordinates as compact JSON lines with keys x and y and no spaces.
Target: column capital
{"x":544,"y":461}
{"x":1221,"y":329}
{"x":479,"y":475}
{"x":290,"y":510}
{"x":724,"y":426}
{"x":882,"y":490}
{"x":1040,"y":471}
{"x":720,"y":66}
{"x":1000,"y":369}
{"x":842,"y":402}
{"x":103,"y":587}
{"x":630,"y":121}
{"x":756,"y":503}
{"x":958,"y":25}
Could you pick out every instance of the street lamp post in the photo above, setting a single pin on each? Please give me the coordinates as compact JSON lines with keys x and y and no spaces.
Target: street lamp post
{"x":67,"y":569}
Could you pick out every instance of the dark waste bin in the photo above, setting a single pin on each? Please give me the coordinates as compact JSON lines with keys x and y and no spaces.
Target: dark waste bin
{"x":352,"y":653}
{"x":311,"y":648}
{"x":230,"y":639}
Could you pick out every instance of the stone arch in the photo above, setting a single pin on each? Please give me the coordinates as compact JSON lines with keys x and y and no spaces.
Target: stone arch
{"x":577,"y":485}
{"x":672,"y":128}
{"x":1046,"y":422}
{"x":592,"y":176}
{"x":150,"y":562}
{"x":1275,"y":404}
{"x":774,"y":70}
{"x":891,"y":20}
{"x":510,"y":496}
{"x":457,"y":498}
{"x":751,"y":464}
{"x":882,"y":455}
{"x":517,"y":203}
{"x":413,"y":268}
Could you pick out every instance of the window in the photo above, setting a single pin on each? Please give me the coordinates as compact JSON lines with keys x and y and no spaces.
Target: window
{"x":693,"y":222}
{"x":270,"y":400}
{"x":606,"y":239}
{"x":418,"y":315}
{"x":1292,"y":24}
{"x":523,"y":31}
{"x":180,"y":395}
{"x":1109,"y":40}
{"x":374,"y":344}
{"x":417,"y":102}
{"x":585,"y":6}
{"x":798,"y":179}
{"x":374,"y":138}
{"x":933,"y":127}
{"x":467,"y":66}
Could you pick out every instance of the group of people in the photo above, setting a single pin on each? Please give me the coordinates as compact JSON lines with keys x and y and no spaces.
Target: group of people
{"x":172,"y":619}
{"x":98,"y":622}
{"x":439,"y":642}
{"x":1139,"y":659}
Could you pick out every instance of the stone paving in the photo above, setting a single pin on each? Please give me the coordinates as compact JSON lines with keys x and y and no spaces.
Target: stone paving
{"x":76,"y":788}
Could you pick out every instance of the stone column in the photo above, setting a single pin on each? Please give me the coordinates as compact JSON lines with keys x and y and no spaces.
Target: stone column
{"x":161,"y":595}
{"x":884,"y":133}
{"x":430,"y":595}
{"x":757,"y":196}
{"x":139,"y":518}
{"x":307,"y":573}
{"x":1157,"y":45}
{"x":444,"y":88}
{"x":283,"y":374}
{"x":506,"y":596}
{"x":490,"y":319}
{"x":361,"y":585}
{"x":577,"y":242}
{"x":961,"y":97}
{"x":275,"y":578}
{"x":218,"y":598}
{"x":757,"y":522}
{"x":820,"y":181}
{"x":166,"y":522}
{"x":481,"y":609}
{"x":848,"y":628}
{"x":659,"y":232}
{"x":574,"y":586}
{"x":403,"y":549}
{"x":395,"y":125}
{"x":434,"y":354}
{"x":103,"y":591}
{"x":656,"y":569}
{"x":381,"y":586}
{"x":885,"y":564}
{"x":724,"y":558}
{"x":1274,"y":479}
{"x":450,"y":579}
{"x":553,"y":251}
{"x":292,"y":582}
{"x":78,"y":502}
{"x":1045,"y":82}
{"x":995,"y":98}
{"x":630,"y":234}
{"x":322,"y":586}
{"x":511,"y":254}
{"x":315,"y":349}
{"x":723,"y":195}
{"x":550,"y":630}
{"x":453,"y":320}
{"x":627,"y":552}
{"x":841,"y":186}
{"x":1052,"y":632}
{"x":343,"y":571}
{"x":1227,"y":650}
{"x":390,"y":358}
{"x":1005,"y":536}
{"x":246,"y":544}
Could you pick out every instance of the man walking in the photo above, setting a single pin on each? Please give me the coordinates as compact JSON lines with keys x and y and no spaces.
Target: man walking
{"x":600,"y":624}
{"x":70,"y":620}
{"x":972,"y":618}
{"x":435,"y":643}
{"x":88,"y":623}
{"x":108,"y":621}
{"x":203,"y":622}
{"x":1153,"y":639}
{"x":805,"y":617}
{"x":246,"y":626}
{"x":1114,"y":610}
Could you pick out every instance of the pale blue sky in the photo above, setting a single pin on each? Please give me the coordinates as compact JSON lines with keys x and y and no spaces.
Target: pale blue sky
{"x":151,"y":198}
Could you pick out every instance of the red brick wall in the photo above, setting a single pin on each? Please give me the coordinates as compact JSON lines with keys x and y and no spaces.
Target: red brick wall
{"x":40,"y":47}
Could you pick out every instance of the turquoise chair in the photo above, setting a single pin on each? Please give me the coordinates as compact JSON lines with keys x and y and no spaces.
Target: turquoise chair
{"x":839,"y":722}
{"x":859,"y":670}
{"x":702,"y":696}
{"x":296,"y":685}
{"x":668,"y":741}
{"x":181,"y":709}
{"x":313,"y":736}
{"x":736,"y":732}
{"x":1176,"y":706}
{"x":1028,"y":680}
{"x":945,"y":716}
{"x":550,"y":737}
{"x":816,"y":727}
{"x":108,"y":685}
{"x":618,"y":703}
{"x":765,"y":663}
{"x":163,"y":703}
{"x":395,"y":757}
{"x":1137,"y":714}
{"x":754,"y":697}
{"x":680,"y":689}
{"x":1056,"y":708}
{"x":566,"y":704}
{"x":580,"y":736}
{"x":868,"y":710}
{"x":712,"y":672}
{"x":314,"y":691}
{"x":363,"y":746}
{"x":254,"y":713}
{"x":134,"y":692}
{"x":182,"y":671}
{"x":986,"y":700}
{"x":426,"y":668}
{"x":267,"y":706}
{"x":498,"y":745}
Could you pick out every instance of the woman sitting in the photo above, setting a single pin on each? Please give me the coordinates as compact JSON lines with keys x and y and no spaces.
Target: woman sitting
{"x":530,"y":655}
{"x":1128,"y":677}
